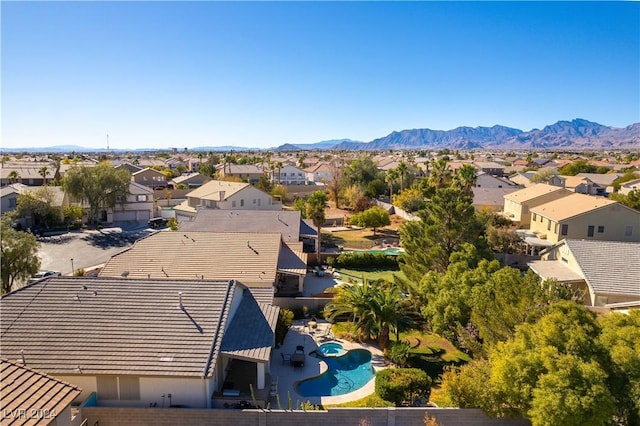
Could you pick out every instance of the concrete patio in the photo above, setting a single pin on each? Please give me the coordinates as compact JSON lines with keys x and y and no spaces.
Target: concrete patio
{"x":285,"y":376}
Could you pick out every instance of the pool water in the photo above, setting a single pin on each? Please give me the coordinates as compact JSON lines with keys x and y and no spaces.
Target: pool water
{"x":330,"y":349}
{"x":345,"y":374}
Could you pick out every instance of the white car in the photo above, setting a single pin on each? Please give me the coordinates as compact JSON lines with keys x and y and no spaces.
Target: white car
{"x":42,"y":275}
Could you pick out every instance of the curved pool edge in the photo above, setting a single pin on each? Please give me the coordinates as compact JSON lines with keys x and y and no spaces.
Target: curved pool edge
{"x":366,"y":390}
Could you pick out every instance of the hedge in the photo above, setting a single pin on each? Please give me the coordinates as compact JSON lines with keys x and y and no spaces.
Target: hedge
{"x":403,"y":385}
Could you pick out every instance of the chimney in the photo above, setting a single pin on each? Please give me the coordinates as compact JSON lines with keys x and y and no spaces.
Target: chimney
{"x":180,"y":306}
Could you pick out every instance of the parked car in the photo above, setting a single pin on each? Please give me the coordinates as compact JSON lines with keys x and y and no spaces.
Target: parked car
{"x":42,"y":275}
{"x":157,"y":222}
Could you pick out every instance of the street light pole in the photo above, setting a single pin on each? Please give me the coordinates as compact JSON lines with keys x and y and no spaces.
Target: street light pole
{"x":72,"y":270}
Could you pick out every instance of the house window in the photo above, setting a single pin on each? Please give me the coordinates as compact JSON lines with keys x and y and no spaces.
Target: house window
{"x":590,"y":230}
{"x":628,"y":231}
{"x":12,"y":203}
{"x":241,"y":203}
{"x":141,"y":198}
{"x":548,"y":224}
{"x":535,"y":216}
{"x":565,"y":230}
{"x":118,"y":199}
{"x":600,"y":229}
{"x":555,"y":229}
{"x":233,"y":203}
{"x":258,"y":201}
{"x":107,"y":387}
{"x":129,"y":388}
{"x":254,"y":201}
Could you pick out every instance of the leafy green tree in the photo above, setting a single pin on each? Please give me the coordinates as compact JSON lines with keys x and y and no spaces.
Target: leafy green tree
{"x":410,"y":200}
{"x":301,"y":205}
{"x":631,"y":199}
{"x":264,"y":184}
{"x":403,"y":385}
{"x":19,"y":254}
{"x":280,"y":191}
{"x":374,"y":217}
{"x":544,"y":174}
{"x":100,"y":186}
{"x":351,"y":195}
{"x":621,"y":336}
{"x":626,"y":177}
{"x":466,"y":387}
{"x":336,"y":181}
{"x":361,"y":171}
{"x":579,"y":166}
{"x":39,"y":204}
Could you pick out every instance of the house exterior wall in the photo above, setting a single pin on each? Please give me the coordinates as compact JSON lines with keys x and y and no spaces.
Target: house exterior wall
{"x":521,"y":210}
{"x":288,"y":175}
{"x":323,"y":176}
{"x":9,"y":202}
{"x":191,"y":392}
{"x":151,"y":178}
{"x":137,"y":208}
{"x":249,"y":198}
{"x":615,"y":219}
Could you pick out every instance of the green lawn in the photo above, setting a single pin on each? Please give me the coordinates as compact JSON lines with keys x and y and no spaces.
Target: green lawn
{"x":432,"y":353}
{"x":371,"y":274}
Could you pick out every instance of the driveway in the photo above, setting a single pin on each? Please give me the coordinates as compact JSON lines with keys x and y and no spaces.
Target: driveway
{"x":87,"y":248}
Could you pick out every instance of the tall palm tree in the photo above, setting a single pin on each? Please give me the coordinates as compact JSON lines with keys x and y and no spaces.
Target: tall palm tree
{"x":376,"y":309}
{"x":43,"y":172}
{"x":314,"y":209}
{"x":403,"y":170}
{"x":466,"y":178}
{"x":279,"y":166}
{"x":390,"y":178}
{"x":440,"y":174}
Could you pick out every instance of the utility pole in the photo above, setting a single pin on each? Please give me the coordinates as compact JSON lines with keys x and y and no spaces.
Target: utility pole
{"x":107,"y":141}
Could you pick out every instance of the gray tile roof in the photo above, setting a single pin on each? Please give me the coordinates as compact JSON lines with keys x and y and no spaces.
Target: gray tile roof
{"x":609,"y":267}
{"x":292,"y":261}
{"x":97,"y":326}
{"x":251,"y":334}
{"x":287,"y":223}
{"x":246,"y":257}
{"x":22,"y":388}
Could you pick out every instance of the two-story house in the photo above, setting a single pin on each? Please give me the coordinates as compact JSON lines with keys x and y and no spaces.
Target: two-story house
{"x":224,"y":195}
{"x":579,"y":216}
{"x":150,"y":177}
{"x":288,"y":175}
{"x":517,"y":205}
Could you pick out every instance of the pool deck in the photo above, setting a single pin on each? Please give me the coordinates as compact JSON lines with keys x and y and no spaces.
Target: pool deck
{"x":286,"y":376}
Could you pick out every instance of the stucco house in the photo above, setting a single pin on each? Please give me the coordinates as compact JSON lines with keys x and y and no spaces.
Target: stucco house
{"x":585,"y":217}
{"x":627,"y":187}
{"x":32,"y":397}
{"x":28,"y":173}
{"x":252,"y":259}
{"x":150,"y":177}
{"x":288,"y":175}
{"x":136,"y":210}
{"x":517,"y":204}
{"x":140,"y":342}
{"x":223,"y":195}
{"x":321,"y":172}
{"x":9,"y":196}
{"x":606,"y":271}
{"x":189,"y":180}
{"x":578,"y":184}
{"x":247,"y":172}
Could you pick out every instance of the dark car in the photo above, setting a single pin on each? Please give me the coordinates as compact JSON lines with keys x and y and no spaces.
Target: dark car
{"x":157,"y":222}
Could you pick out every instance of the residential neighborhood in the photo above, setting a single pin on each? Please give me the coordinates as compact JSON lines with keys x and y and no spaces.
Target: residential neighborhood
{"x":231,"y":288}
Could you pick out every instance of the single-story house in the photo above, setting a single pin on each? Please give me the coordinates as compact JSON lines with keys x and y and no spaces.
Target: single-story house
{"x":190,"y":180}
{"x":139,"y":342}
{"x":29,"y":396}
{"x":247,"y":172}
{"x":253,"y":259}
{"x":607,"y":271}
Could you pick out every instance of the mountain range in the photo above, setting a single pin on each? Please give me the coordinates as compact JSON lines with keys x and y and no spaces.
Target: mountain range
{"x":578,"y":134}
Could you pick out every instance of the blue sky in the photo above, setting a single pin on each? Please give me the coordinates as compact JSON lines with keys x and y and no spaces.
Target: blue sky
{"x":177,"y":74}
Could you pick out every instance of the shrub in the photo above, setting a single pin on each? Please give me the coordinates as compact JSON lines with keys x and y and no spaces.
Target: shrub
{"x":365,"y":260}
{"x":400,"y":352}
{"x":403,"y":385}
{"x":172,"y":223}
{"x":285,"y":320}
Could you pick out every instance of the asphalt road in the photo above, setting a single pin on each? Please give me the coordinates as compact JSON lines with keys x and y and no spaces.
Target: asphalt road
{"x":86,"y":248}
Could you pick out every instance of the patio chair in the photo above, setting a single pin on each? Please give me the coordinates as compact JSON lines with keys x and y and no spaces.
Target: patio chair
{"x":285,"y":357}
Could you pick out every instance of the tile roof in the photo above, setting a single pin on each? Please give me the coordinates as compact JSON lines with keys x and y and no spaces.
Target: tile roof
{"x":292,"y":261}
{"x":258,"y":221}
{"x":609,"y":266}
{"x":548,"y":269}
{"x":491,"y":196}
{"x":188,"y":176}
{"x":570,"y":206}
{"x":251,"y":334}
{"x":212,"y":190}
{"x":601,"y":179}
{"x":97,"y":326}
{"x":22,"y":388}
{"x":533,"y":192}
{"x":246,"y":257}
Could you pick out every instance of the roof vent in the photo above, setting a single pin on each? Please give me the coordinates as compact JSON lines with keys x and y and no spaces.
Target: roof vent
{"x":124,"y":274}
{"x":180,"y":306}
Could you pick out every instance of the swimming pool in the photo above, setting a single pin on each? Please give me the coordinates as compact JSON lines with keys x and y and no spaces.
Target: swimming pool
{"x":330,"y":349}
{"x":346,"y":373}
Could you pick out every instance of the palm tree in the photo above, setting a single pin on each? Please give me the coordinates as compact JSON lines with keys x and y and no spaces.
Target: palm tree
{"x":440,"y":174}
{"x":13,"y":176}
{"x":466,"y":178}
{"x":390,"y":178}
{"x":377,"y":310}
{"x":402,"y":169}
{"x":315,"y":207}
{"x":43,"y":172}
{"x":279,"y":166}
